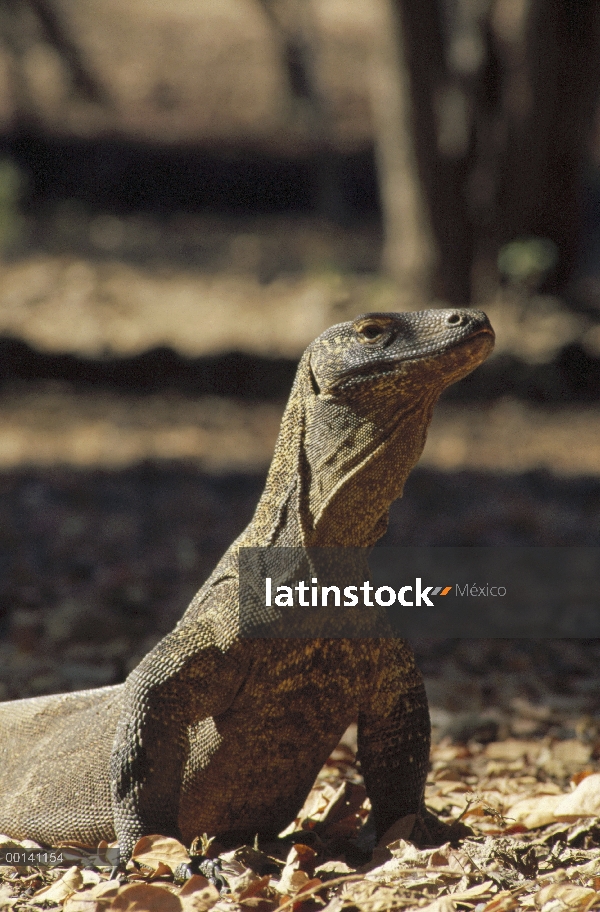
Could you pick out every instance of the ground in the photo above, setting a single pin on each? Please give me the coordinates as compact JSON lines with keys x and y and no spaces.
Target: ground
{"x":532,"y":807}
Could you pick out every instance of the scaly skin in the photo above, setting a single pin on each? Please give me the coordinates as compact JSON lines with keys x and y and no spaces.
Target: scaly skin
{"x":220,"y":734}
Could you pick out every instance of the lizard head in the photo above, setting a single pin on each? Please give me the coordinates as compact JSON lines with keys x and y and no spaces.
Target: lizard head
{"x":357,"y":420}
{"x":399,"y":351}
{"x":373,"y":385}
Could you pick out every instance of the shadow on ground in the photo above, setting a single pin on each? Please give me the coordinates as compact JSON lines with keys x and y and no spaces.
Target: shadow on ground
{"x":96,"y":565}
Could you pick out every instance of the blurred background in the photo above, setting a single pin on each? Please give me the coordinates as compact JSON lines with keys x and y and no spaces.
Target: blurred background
{"x":190,"y":192}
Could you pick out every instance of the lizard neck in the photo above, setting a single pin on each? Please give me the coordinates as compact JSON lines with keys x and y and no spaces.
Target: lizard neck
{"x":336,"y":470}
{"x":349,"y":504}
{"x":277,"y":520}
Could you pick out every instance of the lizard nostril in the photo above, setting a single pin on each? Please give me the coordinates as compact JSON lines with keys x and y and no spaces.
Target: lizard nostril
{"x":454,"y":319}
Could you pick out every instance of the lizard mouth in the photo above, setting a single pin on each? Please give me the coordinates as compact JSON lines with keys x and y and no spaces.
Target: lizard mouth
{"x":485,"y":333}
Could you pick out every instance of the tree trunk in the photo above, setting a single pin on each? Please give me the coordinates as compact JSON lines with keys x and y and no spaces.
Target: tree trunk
{"x":535,"y":116}
{"x":410,"y":254}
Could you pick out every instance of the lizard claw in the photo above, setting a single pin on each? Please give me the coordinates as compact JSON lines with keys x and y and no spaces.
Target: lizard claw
{"x":210,"y":868}
{"x":430,"y":831}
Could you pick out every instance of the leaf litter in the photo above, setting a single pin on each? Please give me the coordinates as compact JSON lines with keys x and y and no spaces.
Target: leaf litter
{"x":532,"y":806}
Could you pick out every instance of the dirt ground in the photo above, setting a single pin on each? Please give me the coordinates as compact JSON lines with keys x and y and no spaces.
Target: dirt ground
{"x":50,"y":424}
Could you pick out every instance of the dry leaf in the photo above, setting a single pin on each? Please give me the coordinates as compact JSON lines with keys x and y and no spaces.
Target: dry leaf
{"x":61,"y":888}
{"x":449,"y":752}
{"x":91,"y":878}
{"x":534,"y":812}
{"x":440,"y":857}
{"x":407,"y":860}
{"x":201,"y":901}
{"x":503,"y":902}
{"x":330,"y":869}
{"x":153,"y":851}
{"x":568,"y":894}
{"x":408,"y":854}
{"x":459,"y":861}
{"x":198,"y":895}
{"x":7,"y":900}
{"x":194,"y":884}
{"x":512,"y":749}
{"x":451,"y":786}
{"x":106,"y":890}
{"x":291,"y":880}
{"x":303,"y":857}
{"x":98,"y":899}
{"x":83,"y":902}
{"x":474,"y":892}
{"x":317,"y":803}
{"x":571,"y":752}
{"x":441,"y":904}
{"x":393,"y":841}
{"x":584,"y":801}
{"x":246,"y":884}
{"x":581,"y":775}
{"x":341,"y":816}
{"x":233,"y":869}
{"x":141,"y":897}
{"x":298,"y":870}
{"x":254,"y":888}
{"x":368,"y":896}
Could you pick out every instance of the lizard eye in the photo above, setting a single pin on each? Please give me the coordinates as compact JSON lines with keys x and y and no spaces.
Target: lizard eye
{"x":374,"y":328}
{"x":370,"y":332}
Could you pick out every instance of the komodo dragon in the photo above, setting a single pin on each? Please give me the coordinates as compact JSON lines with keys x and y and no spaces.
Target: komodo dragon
{"x":216,"y":733}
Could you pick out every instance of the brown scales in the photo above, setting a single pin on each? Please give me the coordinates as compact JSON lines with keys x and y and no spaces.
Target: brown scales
{"x":217,"y":733}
